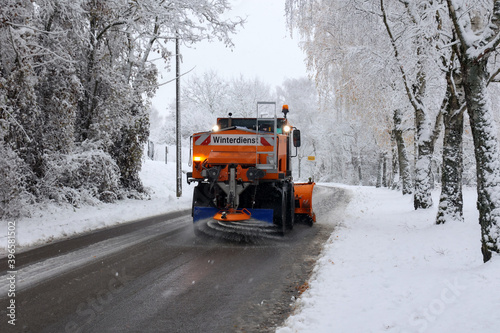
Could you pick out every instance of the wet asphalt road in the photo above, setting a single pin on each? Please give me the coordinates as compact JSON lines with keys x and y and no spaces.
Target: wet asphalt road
{"x":156,"y":276}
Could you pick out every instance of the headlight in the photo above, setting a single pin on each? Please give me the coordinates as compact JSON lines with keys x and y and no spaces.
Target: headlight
{"x":287,"y":128}
{"x":215,"y":128}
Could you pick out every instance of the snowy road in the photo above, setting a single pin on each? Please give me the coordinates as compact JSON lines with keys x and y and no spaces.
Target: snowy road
{"x":155,"y":276}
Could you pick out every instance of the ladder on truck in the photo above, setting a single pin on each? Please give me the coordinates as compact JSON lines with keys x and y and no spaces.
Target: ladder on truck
{"x":271,"y":164}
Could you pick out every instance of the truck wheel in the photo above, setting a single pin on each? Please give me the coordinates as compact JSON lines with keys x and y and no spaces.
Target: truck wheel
{"x":290,"y":219}
{"x":201,"y":197}
{"x":284,"y":210}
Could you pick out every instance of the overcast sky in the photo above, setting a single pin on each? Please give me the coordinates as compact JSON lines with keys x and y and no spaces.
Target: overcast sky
{"x":263,"y":49}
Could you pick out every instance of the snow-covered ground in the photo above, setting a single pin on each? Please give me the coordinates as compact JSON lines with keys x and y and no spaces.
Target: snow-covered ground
{"x":51,"y":222}
{"x":385,"y":268}
{"x":389,"y":268}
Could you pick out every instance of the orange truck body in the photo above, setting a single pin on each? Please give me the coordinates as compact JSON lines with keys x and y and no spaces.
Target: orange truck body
{"x":243,"y":167}
{"x":209,"y":149}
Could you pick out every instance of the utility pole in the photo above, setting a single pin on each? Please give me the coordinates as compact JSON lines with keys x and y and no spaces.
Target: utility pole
{"x":178,"y":118}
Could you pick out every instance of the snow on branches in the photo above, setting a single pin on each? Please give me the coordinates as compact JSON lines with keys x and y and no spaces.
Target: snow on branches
{"x":82,"y":71}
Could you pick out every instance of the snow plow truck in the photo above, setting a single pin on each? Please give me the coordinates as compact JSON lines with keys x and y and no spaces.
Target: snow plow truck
{"x":242,"y":168}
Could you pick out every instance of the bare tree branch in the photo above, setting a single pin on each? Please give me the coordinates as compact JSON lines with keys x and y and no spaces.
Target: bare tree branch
{"x":493,"y":76}
{"x":458,"y":27}
{"x":175,"y":78}
{"x":416,"y":104}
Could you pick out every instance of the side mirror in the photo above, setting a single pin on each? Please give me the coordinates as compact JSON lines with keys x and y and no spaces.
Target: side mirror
{"x":296,"y":138}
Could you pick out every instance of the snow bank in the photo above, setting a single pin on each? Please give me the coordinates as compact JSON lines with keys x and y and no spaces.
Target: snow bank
{"x":51,"y":221}
{"x":388,"y":268}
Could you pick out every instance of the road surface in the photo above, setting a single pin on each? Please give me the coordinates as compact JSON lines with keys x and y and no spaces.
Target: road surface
{"x":154,"y":275}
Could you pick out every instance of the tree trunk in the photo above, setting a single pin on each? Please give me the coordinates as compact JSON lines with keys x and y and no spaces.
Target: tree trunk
{"x":404,"y":163}
{"x":356,"y":163}
{"x":394,"y":180}
{"x":384,"y":170}
{"x":422,"y":196}
{"x":360,"y":175}
{"x":451,"y":199}
{"x":423,"y":138}
{"x":475,"y":76}
{"x":380,"y":170}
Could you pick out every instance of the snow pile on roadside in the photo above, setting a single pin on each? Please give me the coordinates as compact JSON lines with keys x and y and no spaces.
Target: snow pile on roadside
{"x":50,"y":222}
{"x":388,"y":268}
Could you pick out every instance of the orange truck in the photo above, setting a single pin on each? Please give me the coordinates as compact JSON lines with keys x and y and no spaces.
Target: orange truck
{"x":242,"y":168}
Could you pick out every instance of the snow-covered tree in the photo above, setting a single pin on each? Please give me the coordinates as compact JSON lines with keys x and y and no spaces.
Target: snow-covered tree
{"x":476,"y":29}
{"x":424,"y":39}
{"x":302,"y":99}
{"x":244,"y":94}
{"x":403,"y":165}
{"x":451,"y":199}
{"x":208,"y":96}
{"x":76,"y":78}
{"x":422,"y":86}
{"x":347,"y":54}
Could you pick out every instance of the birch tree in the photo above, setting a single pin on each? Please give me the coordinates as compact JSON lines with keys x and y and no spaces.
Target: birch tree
{"x":420,"y":88}
{"x":345,"y":53}
{"x":451,"y":198}
{"x":476,"y":44}
{"x":402,"y":154}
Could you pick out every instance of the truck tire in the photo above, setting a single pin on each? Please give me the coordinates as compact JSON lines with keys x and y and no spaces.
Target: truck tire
{"x":284,"y":209}
{"x":290,"y":218}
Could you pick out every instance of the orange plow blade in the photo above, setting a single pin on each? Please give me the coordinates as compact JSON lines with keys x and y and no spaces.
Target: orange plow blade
{"x":233,"y":215}
{"x":303,"y":201}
